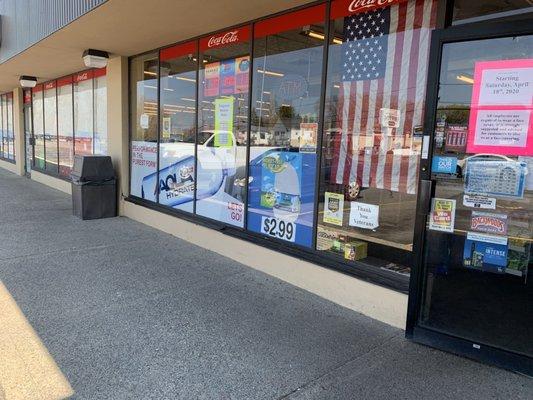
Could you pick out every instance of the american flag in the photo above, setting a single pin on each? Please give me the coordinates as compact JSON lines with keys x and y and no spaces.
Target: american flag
{"x":384,"y":66}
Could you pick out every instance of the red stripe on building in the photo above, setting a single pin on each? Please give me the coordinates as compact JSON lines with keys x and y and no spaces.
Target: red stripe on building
{"x":179,"y":50}
{"x":290,"y":21}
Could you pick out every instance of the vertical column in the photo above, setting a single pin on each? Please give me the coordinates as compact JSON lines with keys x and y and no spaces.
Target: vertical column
{"x":18,"y":128}
{"x":117,"y":123}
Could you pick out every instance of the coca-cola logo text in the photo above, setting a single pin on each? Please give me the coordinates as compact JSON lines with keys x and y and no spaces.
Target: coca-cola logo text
{"x":227,"y":38}
{"x":363,"y":5}
{"x":82,"y":77}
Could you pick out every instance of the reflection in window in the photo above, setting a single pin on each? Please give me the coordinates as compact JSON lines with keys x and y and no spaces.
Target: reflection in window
{"x":83,"y":113}
{"x":100,"y":112}
{"x":178,"y":126}
{"x":285,"y":115}
{"x":3,"y":127}
{"x":372,"y":136}
{"x":143,"y":89}
{"x":38,"y":128}
{"x":468,"y":11}
{"x":50,"y":126}
{"x":223,"y":126}
{"x":65,"y":125}
{"x":10,"y":129}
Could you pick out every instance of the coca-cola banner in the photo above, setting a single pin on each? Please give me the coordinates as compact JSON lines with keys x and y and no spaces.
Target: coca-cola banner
{"x":342,"y":8}
{"x":287,"y":22}
{"x":83,"y":76}
{"x":50,"y":85}
{"x":233,"y":36}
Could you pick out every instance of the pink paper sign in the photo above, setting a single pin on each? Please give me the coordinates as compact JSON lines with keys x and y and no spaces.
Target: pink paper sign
{"x":501,"y":111}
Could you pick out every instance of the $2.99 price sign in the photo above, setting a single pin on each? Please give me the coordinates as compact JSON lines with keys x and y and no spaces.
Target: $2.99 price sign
{"x":278,"y":228}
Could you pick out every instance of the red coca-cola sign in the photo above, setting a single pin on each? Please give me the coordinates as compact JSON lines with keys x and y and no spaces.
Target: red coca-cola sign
{"x":227,"y":38}
{"x":341,"y":8}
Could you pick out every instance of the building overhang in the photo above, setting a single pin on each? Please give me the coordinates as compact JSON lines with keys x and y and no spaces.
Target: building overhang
{"x":129,"y":27}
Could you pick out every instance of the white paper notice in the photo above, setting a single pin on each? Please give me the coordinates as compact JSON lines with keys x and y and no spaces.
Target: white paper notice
{"x":502,"y":127}
{"x":364,"y":215}
{"x":506,"y":86}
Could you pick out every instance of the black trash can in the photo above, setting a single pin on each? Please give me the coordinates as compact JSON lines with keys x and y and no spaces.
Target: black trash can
{"x":94,"y":187}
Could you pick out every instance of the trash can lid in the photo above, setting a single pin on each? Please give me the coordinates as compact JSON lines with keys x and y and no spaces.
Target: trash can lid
{"x":92,"y":168}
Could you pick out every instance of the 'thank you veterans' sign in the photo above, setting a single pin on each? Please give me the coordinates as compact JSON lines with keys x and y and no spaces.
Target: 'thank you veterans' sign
{"x":501,"y":117}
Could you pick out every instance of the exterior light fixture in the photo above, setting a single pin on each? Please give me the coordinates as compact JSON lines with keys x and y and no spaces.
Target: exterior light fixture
{"x":28,"y":81}
{"x":95,"y":58}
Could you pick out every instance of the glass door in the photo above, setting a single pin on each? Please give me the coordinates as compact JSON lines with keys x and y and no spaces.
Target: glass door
{"x":476,"y":281}
{"x":28,"y":139}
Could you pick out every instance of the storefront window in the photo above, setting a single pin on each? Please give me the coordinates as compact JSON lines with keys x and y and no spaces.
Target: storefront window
{"x":28,"y":131}
{"x":468,"y":11}
{"x":223,"y":126}
{"x":100,"y":111}
{"x":65,"y":125}
{"x":10,"y":129}
{"x":178,"y":126}
{"x":287,"y":77}
{"x":38,"y":126}
{"x":3,"y":127}
{"x":50,"y":126}
{"x":144,"y":134}
{"x":378,"y":62}
{"x":83,"y":113}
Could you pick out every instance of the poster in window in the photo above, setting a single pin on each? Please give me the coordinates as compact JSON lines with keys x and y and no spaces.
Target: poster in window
{"x":485,"y":252}
{"x":242,"y":73}
{"x":502,"y":107}
{"x":499,"y":178}
{"x":333,"y":208}
{"x":442,"y":217}
{"x":281,"y":194}
{"x":212,"y":79}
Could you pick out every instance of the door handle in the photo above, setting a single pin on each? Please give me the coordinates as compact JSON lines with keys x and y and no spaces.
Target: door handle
{"x":425,"y":193}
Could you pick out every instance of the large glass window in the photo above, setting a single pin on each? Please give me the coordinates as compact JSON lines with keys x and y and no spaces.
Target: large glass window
{"x":371,"y":141}
{"x":28,"y":131}
{"x":50,"y":126}
{"x":223,"y":126}
{"x":178,"y":126}
{"x":287,"y":77}
{"x":100,"y":111}
{"x":3,"y":126}
{"x":10,"y":128}
{"x":65,"y":125}
{"x":38,"y":126}
{"x":144,"y":134}
{"x":83,"y":113}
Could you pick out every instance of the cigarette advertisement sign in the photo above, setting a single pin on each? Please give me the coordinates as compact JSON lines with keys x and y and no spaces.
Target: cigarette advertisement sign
{"x":489,"y":222}
{"x":485,"y":252}
{"x":333,"y":208}
{"x":501,"y":117}
{"x":442,"y":217}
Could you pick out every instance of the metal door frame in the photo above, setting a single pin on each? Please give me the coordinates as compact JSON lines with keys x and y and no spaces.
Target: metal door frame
{"x":415,"y":332}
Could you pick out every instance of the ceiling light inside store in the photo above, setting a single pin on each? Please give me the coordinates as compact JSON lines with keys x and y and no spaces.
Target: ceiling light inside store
{"x":465,"y":78}
{"x":271,"y":73}
{"x":95,"y":58}
{"x":181,"y":78}
{"x":28,"y":81}
{"x":319,"y":35}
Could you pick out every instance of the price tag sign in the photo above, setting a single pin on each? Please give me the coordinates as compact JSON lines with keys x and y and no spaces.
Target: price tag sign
{"x":278,"y":228}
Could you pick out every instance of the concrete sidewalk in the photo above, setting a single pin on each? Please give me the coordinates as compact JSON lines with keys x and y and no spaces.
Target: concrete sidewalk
{"x":128,"y":312}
